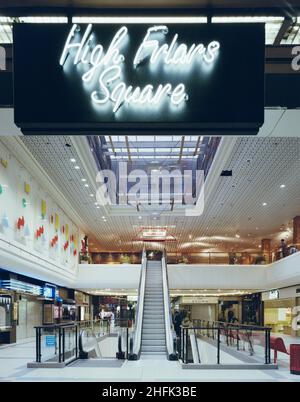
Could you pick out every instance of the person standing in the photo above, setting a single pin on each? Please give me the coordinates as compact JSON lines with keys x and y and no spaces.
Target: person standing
{"x":284,"y":249}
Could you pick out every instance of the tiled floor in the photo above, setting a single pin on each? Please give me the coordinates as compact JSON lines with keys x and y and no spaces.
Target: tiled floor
{"x":13,"y":360}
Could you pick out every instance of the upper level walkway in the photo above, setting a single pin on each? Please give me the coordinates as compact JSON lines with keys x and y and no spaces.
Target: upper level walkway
{"x":282,"y":273}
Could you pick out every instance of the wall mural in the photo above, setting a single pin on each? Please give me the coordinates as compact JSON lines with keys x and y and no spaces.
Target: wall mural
{"x":30,"y":217}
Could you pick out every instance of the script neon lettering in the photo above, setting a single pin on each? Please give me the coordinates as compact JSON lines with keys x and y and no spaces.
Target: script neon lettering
{"x":107,"y":65}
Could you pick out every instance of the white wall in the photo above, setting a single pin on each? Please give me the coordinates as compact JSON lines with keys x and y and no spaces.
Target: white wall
{"x":20,"y":248}
{"x":216,"y":276}
{"x":103,"y":276}
{"x":285,"y":272}
{"x":126,"y":276}
{"x":7,"y":125}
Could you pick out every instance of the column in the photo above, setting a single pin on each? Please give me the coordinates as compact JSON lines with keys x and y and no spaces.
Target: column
{"x":296,"y":232}
{"x":266,"y":249}
{"x":245,"y":258}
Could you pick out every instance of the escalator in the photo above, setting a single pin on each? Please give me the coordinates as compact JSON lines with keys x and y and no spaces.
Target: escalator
{"x":154,"y":334}
{"x":153,"y":328}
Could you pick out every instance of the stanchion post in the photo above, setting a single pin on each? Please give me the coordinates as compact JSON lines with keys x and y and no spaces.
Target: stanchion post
{"x":218,"y":352}
{"x":186,"y":345}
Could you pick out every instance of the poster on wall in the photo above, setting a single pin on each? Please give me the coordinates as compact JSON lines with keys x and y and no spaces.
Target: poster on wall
{"x":144,"y":77}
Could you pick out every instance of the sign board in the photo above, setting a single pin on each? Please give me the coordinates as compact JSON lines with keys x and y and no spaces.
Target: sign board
{"x":274,"y":294}
{"x":49,"y":291}
{"x":199,"y":300}
{"x":144,"y":77}
{"x":50,"y":340}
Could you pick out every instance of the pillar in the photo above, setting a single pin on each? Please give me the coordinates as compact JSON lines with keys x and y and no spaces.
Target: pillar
{"x":296,"y":232}
{"x":266,"y":249}
{"x":245,"y":258}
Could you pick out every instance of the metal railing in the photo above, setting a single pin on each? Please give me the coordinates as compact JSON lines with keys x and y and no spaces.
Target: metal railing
{"x":170,"y":333}
{"x":137,"y":336}
{"x":249,"y":339}
{"x":57,"y":343}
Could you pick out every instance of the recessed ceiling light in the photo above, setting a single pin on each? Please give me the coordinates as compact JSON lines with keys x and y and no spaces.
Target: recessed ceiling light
{"x":83,"y":179}
{"x":98,"y":207}
{"x":77,"y":167}
{"x":86,"y":185}
{"x":282,"y":186}
{"x":73,"y":160}
{"x":264,"y":204}
{"x":91,"y":195}
{"x":140,"y":217}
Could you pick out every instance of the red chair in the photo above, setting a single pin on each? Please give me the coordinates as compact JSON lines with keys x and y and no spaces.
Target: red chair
{"x":277,"y":344}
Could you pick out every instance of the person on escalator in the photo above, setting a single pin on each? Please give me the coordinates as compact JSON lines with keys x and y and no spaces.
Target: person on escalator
{"x":186,"y":322}
{"x":177,"y":319}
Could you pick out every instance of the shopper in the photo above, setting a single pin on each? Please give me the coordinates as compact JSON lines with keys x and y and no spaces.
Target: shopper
{"x":177,"y":319}
{"x":231,"y":317}
{"x":293,"y":249}
{"x":284,"y":249}
{"x":186,"y":322}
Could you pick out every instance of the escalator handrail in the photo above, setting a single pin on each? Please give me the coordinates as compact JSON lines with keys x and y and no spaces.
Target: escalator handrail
{"x":170,"y":334}
{"x":140,"y":308}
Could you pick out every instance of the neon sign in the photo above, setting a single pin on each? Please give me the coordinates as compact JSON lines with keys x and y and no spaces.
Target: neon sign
{"x":105,"y":67}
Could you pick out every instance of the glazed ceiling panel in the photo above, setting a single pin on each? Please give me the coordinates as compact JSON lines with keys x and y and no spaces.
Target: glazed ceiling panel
{"x":150,"y":3}
{"x":258,"y":201}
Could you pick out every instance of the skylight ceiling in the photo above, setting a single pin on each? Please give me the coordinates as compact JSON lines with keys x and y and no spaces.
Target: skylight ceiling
{"x":273,"y":24}
{"x":155,"y":148}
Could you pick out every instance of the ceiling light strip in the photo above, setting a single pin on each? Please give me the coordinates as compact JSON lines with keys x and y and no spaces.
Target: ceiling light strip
{"x":44,"y":20}
{"x":139,"y":20}
{"x":246,"y":19}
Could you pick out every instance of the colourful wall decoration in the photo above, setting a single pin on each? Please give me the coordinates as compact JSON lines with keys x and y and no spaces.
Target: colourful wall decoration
{"x":43,"y":209}
{"x":54,"y":241}
{"x":27,"y":188}
{"x":67,"y":231}
{"x":4,"y":163}
{"x":1,"y":189}
{"x":20,"y":223}
{"x":24,"y":202}
{"x":39,"y":232}
{"x":56,"y":222}
{"x":5,"y":221}
{"x":27,"y":231}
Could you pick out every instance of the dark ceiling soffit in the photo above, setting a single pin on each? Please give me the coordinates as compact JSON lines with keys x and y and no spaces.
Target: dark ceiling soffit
{"x":134,"y":11}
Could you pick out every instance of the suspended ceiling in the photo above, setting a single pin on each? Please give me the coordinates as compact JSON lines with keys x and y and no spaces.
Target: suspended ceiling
{"x":259,"y":201}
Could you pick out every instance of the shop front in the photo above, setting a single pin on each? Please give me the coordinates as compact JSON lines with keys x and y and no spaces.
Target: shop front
{"x":280,"y":309}
{"x":199,"y":308}
{"x":30,"y":316}
{"x":24,"y":304}
{"x":83,"y":306}
{"x":7,"y":317}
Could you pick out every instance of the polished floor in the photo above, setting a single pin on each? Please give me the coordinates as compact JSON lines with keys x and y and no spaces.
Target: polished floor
{"x":14,"y":358}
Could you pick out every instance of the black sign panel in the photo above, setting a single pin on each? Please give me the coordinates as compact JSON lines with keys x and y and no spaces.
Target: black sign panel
{"x":163,"y":78}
